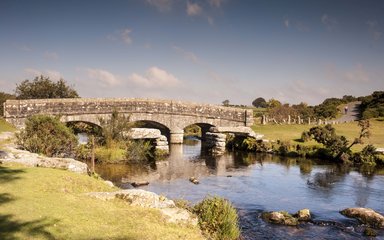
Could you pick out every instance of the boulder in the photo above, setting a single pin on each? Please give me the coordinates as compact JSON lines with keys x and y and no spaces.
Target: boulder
{"x":141,"y":198}
{"x":365,"y":215}
{"x":281,"y":217}
{"x":144,"y":133}
{"x":303,"y":215}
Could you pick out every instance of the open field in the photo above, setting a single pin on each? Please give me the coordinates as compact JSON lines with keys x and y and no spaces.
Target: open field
{"x":41,"y":203}
{"x":349,"y":130}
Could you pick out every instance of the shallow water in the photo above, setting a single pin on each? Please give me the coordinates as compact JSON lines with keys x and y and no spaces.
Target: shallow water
{"x":257,"y":182}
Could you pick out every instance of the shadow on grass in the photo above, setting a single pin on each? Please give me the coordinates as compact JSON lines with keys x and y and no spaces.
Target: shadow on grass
{"x":9,"y":226}
{"x":7,"y":174}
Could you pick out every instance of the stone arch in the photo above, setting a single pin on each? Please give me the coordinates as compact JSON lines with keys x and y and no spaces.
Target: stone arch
{"x":204,"y":128}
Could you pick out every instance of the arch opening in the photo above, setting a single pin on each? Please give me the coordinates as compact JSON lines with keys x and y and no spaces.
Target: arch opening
{"x":83,"y":129}
{"x":152,"y":124}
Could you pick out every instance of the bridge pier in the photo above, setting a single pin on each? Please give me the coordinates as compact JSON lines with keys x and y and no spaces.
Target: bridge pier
{"x":176,"y":136}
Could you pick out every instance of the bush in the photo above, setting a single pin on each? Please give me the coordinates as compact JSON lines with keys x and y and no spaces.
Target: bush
{"x":47,"y":135}
{"x":218,"y":218}
{"x":110,"y":154}
{"x":139,"y":151}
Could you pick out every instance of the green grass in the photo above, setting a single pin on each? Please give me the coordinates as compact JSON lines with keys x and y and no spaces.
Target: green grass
{"x":41,"y":203}
{"x":349,"y":130}
{"x":6,"y":127}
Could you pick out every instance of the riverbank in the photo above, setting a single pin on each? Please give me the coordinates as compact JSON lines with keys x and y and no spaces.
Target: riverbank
{"x":45,"y":203}
{"x":350,"y":130}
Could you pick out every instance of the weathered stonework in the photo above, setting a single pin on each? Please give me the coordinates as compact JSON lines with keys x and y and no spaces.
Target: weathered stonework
{"x":172,"y":115}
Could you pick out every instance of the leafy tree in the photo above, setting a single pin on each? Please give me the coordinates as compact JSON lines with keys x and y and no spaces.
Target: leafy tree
{"x":4,"y":97}
{"x":303,"y":110}
{"x":338,"y":146}
{"x":328,"y":108}
{"x":226,"y":103}
{"x":47,"y":135}
{"x":42,"y":87}
{"x":259,"y":103}
{"x":273,"y":103}
{"x":114,"y":128}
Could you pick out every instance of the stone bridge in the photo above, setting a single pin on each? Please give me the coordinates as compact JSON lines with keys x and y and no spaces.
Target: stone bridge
{"x":171,"y":117}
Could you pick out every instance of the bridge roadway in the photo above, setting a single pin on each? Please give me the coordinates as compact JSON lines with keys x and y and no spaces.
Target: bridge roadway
{"x":170,"y":116}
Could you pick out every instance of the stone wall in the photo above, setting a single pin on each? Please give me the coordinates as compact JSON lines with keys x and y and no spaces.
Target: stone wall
{"x":175,"y":115}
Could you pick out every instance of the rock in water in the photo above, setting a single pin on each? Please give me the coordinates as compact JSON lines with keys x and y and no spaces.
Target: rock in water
{"x":303,"y":215}
{"x":365,"y":215}
{"x":194,"y":180}
{"x":280,"y":217}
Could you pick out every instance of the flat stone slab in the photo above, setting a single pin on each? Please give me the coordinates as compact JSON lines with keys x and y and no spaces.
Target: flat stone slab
{"x":144,"y":133}
{"x":142,"y":198}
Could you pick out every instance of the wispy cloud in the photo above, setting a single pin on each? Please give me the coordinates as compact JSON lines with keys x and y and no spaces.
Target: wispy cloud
{"x":216,"y":3}
{"x":193,"y":9}
{"x":161,"y":5}
{"x":358,"y":75}
{"x":374,"y":30}
{"x":104,"y":77}
{"x":186,"y":54}
{"x":52,"y":74}
{"x":154,"y":77}
{"x":298,"y":25}
{"x":330,"y":23}
{"x":125,"y":35}
{"x":51,"y":55}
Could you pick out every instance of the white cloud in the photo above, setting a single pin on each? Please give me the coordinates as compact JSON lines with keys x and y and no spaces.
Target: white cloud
{"x":125,"y":36}
{"x":52,"y":74}
{"x":161,"y":5}
{"x":154,"y":77}
{"x":105,"y":78}
{"x":51,"y":55}
{"x":193,"y":9}
{"x":329,"y":22}
{"x":374,"y":30}
{"x":186,"y":54}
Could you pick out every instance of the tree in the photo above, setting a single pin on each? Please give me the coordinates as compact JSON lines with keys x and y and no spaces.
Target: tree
{"x":273,"y":103}
{"x":42,"y":87}
{"x":226,"y":103}
{"x":4,"y":97}
{"x":259,"y":103}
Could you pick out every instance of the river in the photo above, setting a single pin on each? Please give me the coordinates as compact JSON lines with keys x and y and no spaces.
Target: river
{"x":260,"y":182}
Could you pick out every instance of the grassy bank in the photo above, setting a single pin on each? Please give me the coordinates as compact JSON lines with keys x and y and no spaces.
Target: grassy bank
{"x":41,"y":203}
{"x":6,"y":127}
{"x":349,"y":130}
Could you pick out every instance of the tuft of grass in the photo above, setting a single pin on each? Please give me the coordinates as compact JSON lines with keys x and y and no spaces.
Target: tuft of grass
{"x":218,"y":218}
{"x":42,"y":203}
{"x":110,"y":155}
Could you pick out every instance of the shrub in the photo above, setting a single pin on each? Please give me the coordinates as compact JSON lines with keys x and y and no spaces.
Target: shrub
{"x":305,"y":136}
{"x":218,"y":218}
{"x":139,"y":151}
{"x":47,"y":135}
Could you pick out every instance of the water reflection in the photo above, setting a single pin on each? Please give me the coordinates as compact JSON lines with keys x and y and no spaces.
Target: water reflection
{"x":263,"y":182}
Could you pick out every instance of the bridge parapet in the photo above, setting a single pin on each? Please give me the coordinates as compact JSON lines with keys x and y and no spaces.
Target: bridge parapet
{"x":17,"y":110}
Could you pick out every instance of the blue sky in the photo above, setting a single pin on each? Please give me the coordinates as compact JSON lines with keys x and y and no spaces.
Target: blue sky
{"x":203,"y":51}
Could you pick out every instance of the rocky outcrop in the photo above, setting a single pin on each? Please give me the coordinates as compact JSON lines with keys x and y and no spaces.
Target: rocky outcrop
{"x":365,"y":215}
{"x":12,"y":154}
{"x":284,"y":218}
{"x":142,"y":198}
